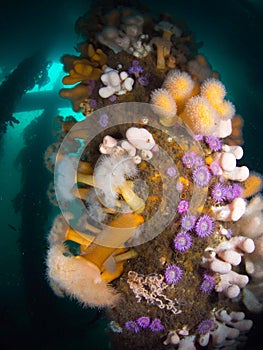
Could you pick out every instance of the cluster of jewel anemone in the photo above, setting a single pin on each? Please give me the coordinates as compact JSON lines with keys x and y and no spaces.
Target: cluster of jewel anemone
{"x":208,"y":283}
{"x":203,"y":226}
{"x":200,"y":173}
{"x":222,"y":192}
{"x":144,"y":322}
{"x":136,"y":69}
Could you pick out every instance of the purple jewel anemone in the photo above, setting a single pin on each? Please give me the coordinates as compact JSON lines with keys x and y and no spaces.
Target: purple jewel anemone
{"x":189,"y":159}
{"x":183,"y":206}
{"x":132,"y":326}
{"x":104,"y":120}
{"x":188,"y":222}
{"x":156,"y":325}
{"x":93,"y":103}
{"x":143,"y":322}
{"x":199,"y":161}
{"x":215,"y":168}
{"x":201,"y":176}
{"x":135,"y":68}
{"x":233,"y":191}
{"x":206,"y":326}
{"x":219,"y":192}
{"x":113,"y":98}
{"x":143,"y":80}
{"x":214,"y":143}
{"x":173,"y":274}
{"x":229,"y":233}
{"x":208,"y":284}
{"x":198,"y":137}
{"x":204,"y":226}
{"x":171,"y":171}
{"x":182,"y":241}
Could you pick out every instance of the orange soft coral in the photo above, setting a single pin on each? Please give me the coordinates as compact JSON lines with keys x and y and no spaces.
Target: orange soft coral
{"x":76,"y":95}
{"x":236,"y":138}
{"x":252,"y":185}
{"x":89,"y":67}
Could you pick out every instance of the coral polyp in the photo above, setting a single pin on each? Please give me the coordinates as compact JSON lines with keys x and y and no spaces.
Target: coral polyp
{"x":188,"y":222}
{"x":204,"y":226}
{"x":208,"y":283}
{"x":206,"y":326}
{"x":201,"y":176}
{"x":161,"y":225}
{"x":173,"y":274}
{"x":182,"y":241}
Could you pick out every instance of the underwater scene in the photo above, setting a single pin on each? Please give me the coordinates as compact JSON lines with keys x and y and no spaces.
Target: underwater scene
{"x":131,"y":175}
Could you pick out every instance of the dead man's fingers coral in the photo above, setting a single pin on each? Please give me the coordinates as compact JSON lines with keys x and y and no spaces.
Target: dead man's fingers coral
{"x":231,"y":283}
{"x":230,"y":212}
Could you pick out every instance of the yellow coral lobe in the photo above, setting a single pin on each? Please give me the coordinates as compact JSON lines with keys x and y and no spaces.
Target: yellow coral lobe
{"x":127,"y":221}
{"x":108,"y":276}
{"x":252,"y":185}
{"x":125,"y":255}
{"x":81,"y":193}
{"x":85,"y":167}
{"x":136,"y":203}
{"x":79,"y":237}
{"x":98,"y":254}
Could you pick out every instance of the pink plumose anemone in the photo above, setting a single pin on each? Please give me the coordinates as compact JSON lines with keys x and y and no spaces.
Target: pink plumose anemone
{"x":180,"y":85}
{"x":200,"y":116}
{"x":79,"y":279}
{"x":162,"y":98}
{"x":59,"y":229}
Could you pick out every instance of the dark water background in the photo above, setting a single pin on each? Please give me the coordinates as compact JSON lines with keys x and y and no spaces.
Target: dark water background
{"x":30,"y":315}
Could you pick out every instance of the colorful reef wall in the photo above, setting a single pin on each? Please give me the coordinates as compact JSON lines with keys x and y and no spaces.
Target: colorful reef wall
{"x":161,"y":222}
